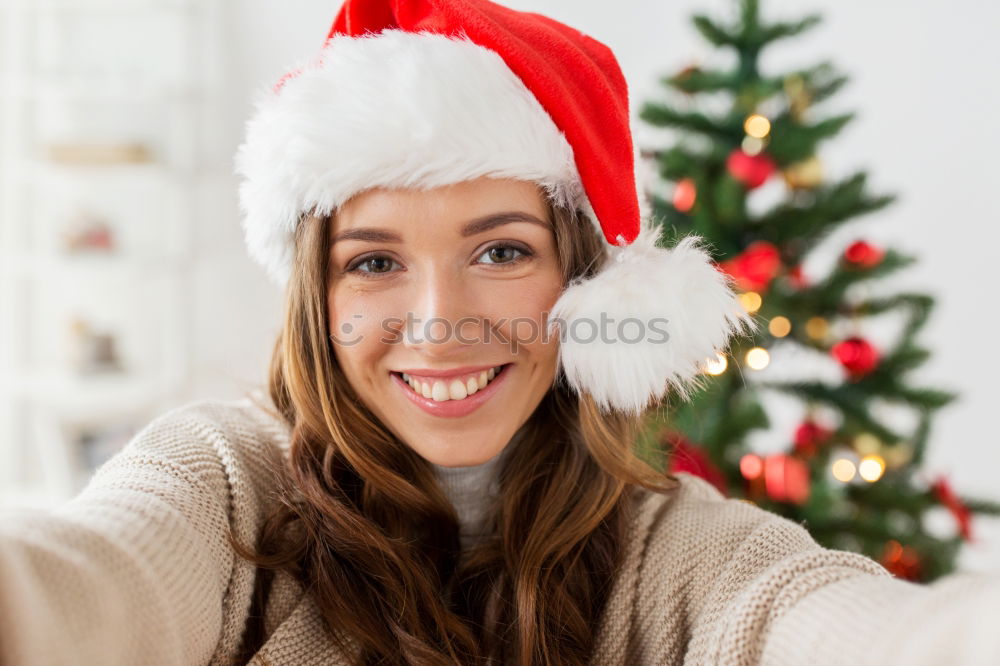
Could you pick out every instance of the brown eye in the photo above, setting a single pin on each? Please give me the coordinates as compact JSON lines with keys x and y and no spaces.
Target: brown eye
{"x":378,"y":264}
{"x":371,"y":265}
{"x":505,"y":254}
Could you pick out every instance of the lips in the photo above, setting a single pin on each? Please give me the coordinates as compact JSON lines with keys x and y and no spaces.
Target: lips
{"x":448,"y":406}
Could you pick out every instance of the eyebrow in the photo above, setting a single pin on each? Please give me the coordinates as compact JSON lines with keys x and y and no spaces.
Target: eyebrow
{"x":476,"y":226}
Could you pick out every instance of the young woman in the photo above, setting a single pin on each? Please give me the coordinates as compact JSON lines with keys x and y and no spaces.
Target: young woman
{"x":441,"y":472}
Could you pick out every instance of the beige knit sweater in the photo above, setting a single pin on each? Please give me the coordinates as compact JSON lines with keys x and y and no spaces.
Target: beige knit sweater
{"x":136,"y":571}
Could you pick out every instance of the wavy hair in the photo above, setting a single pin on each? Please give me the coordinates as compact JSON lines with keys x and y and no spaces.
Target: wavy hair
{"x":363,"y":524}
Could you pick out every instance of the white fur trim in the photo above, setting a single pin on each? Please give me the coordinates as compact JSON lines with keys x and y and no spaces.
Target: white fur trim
{"x":647,"y":283}
{"x":393,"y":109}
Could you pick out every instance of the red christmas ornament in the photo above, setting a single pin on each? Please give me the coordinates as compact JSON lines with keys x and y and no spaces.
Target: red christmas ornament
{"x":751,"y":170}
{"x":863,"y":254}
{"x":963,"y":516}
{"x":685,"y":194}
{"x":857,"y":355}
{"x":901,"y":561}
{"x":786,"y":478}
{"x":809,"y":437}
{"x":755,"y":267}
{"x":686,"y":457}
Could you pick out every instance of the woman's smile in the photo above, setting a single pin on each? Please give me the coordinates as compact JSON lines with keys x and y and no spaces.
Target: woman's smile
{"x":453,"y":394}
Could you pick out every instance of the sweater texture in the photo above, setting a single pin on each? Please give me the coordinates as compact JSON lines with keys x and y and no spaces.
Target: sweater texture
{"x":136,"y":570}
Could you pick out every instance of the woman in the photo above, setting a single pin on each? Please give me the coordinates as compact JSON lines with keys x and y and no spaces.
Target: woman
{"x":478,"y":314}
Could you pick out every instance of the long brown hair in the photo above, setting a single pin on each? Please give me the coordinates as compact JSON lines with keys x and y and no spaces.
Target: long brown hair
{"x":363,"y":524}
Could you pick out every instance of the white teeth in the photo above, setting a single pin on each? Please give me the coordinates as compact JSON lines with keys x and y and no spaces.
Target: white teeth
{"x":456,"y":389}
{"x":440,"y":392}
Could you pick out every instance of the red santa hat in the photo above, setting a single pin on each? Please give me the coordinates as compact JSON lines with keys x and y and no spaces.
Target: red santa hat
{"x":426,"y":93}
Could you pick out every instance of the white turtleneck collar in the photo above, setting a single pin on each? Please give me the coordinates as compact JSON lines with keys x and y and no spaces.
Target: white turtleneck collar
{"x":470,"y":489}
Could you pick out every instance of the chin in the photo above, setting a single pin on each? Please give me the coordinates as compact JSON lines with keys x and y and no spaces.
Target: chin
{"x":459,"y":458}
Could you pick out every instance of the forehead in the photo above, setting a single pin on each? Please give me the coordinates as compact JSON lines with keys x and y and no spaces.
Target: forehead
{"x":455,"y":203}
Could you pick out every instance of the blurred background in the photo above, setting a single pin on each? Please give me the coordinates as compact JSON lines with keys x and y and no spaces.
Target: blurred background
{"x":125,"y":289}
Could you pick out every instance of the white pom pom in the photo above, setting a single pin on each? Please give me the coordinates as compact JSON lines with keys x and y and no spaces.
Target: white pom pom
{"x":646,"y":323}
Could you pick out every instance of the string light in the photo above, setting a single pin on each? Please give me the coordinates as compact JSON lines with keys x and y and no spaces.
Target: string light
{"x":717,"y":365}
{"x":867,"y":443}
{"x":817,"y":328}
{"x":757,"y":126}
{"x":751,"y":301}
{"x":752,"y":145}
{"x":779,"y":327}
{"x":871,"y":468}
{"x":843,"y":470}
{"x":758,"y":358}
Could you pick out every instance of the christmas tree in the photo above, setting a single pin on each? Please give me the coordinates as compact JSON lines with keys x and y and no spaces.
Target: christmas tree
{"x":848,"y":472}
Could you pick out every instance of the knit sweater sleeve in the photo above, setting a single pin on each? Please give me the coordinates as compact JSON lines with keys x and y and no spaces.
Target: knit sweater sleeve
{"x":134,"y":569}
{"x":775,"y":597}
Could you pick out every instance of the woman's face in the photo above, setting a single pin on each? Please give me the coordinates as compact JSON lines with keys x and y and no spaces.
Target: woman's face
{"x":439,"y":287}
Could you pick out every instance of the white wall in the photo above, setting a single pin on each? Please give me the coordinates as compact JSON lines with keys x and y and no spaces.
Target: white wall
{"x":926,"y":96}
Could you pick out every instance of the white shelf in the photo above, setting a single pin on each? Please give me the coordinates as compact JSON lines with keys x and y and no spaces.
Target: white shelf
{"x":43,"y":171}
{"x":84,"y":266}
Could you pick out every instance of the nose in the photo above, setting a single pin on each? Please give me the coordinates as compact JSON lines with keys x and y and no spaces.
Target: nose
{"x":443,"y":320}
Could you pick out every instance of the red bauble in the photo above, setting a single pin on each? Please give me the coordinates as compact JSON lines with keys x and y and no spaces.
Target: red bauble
{"x":685,"y":194}
{"x":755,"y":267}
{"x":901,"y":561}
{"x":963,"y":516}
{"x":809,"y":437}
{"x":751,"y":170}
{"x":786,"y":479}
{"x":686,"y":457}
{"x":857,"y":355}
{"x":863,"y":255}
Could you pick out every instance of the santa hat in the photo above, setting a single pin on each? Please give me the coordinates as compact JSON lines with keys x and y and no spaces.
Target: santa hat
{"x":426,"y":93}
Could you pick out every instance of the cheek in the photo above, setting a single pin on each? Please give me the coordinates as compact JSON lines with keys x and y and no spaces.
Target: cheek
{"x":523,"y":308}
{"x":356,"y":325}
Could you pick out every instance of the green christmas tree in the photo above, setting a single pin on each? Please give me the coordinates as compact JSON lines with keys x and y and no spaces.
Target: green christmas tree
{"x":847,"y":472}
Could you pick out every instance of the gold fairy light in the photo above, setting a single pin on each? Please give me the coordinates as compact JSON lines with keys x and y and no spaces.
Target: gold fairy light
{"x":779,"y":327}
{"x":843,"y":470}
{"x":751,"y":145}
{"x":758,"y":358}
{"x":871,"y":468}
{"x":717,"y":365}
{"x":757,"y":126}
{"x":817,"y":328}
{"x":751,"y":301}
{"x":867,"y":443}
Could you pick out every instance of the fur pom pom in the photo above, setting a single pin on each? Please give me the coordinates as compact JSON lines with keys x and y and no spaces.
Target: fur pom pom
{"x":646,"y":323}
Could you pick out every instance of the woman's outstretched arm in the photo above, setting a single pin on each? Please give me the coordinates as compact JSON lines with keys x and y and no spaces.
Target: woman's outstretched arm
{"x":720,"y":581}
{"x":888,"y":621}
{"x":780,"y":599}
{"x":133,"y":570}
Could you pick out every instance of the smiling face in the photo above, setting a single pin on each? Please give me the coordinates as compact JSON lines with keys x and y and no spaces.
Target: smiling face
{"x":436,"y":301}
